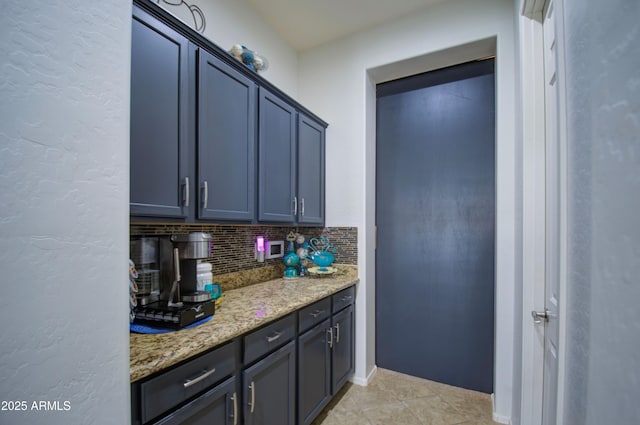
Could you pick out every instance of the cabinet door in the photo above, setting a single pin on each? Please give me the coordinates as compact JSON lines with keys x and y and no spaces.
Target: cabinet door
{"x":277,"y":201}
{"x":311,"y":170}
{"x":343,"y":348}
{"x":226,"y":141}
{"x":159,"y":111}
{"x":217,"y":406}
{"x":269,"y":389}
{"x":314,"y":372}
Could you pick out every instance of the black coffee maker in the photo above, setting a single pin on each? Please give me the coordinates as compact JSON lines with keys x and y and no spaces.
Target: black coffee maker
{"x":180,"y":304}
{"x":191,"y":248}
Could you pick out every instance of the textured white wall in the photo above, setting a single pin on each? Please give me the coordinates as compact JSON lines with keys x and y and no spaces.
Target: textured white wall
{"x":603,"y":318}
{"x":64,"y":155}
{"x":334,"y":83}
{"x":230,"y":22}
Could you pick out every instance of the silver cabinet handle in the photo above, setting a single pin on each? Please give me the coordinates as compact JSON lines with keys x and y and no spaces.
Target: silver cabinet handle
{"x":252,"y":387}
{"x":185,"y":196}
{"x":295,"y":205}
{"x":316,"y":313}
{"x":273,"y":338}
{"x":330,"y":331}
{"x":540,"y":316}
{"x":235,"y":408}
{"x":205,"y":195}
{"x":205,"y":375}
{"x":337,"y":333}
{"x":346,"y":298}
{"x":302,"y":206}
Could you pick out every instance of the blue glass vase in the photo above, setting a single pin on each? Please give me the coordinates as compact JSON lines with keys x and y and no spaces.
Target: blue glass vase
{"x":291,"y":260}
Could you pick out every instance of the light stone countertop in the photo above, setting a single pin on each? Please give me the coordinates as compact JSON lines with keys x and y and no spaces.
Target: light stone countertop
{"x":241,"y":311}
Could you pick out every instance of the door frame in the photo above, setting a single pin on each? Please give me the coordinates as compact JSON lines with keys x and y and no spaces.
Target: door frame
{"x":533,"y":137}
{"x":507,"y":248}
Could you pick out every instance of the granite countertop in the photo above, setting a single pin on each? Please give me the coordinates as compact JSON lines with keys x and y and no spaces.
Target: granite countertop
{"x":242,"y":310}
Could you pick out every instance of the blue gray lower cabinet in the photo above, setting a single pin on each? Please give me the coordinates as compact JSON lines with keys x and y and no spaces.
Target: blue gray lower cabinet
{"x":169,"y":390}
{"x":314,"y":371}
{"x":283,"y":373}
{"x":342,"y":348}
{"x":217,"y":406}
{"x":325,"y":353}
{"x":269,"y":389}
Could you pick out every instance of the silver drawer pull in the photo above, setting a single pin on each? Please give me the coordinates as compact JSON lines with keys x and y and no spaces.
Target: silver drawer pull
{"x":273,"y":338}
{"x":205,"y":375}
{"x":346,"y":298}
{"x":252,"y":387}
{"x":316,"y":313}
{"x":235,"y":409}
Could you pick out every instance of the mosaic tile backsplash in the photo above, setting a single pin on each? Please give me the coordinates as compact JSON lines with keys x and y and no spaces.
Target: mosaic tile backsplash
{"x":232,"y":251}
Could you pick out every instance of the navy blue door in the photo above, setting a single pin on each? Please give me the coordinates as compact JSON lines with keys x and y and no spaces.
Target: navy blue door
{"x":435,"y":214}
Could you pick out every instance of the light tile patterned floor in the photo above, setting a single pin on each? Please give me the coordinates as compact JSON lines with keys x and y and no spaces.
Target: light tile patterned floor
{"x":394,"y":398}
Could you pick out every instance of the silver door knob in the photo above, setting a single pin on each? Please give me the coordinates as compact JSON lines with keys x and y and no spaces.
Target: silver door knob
{"x":539,"y":316}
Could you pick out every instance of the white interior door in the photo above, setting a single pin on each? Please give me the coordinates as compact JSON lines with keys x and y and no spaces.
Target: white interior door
{"x":549,"y":318}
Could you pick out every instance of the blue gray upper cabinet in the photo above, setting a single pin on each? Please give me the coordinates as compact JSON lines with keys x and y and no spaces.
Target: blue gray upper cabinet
{"x":226,"y":141}
{"x":159,"y":111}
{"x":311,"y":170}
{"x":277,"y":200}
{"x":291,"y":164}
{"x":210,"y":139}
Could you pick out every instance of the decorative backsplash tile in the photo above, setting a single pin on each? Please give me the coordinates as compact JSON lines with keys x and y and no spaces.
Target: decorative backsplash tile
{"x":232,"y":249}
{"x":346,"y":240}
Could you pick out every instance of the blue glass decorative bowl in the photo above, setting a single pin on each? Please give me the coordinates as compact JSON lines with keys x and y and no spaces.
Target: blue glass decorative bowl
{"x":322,"y":259}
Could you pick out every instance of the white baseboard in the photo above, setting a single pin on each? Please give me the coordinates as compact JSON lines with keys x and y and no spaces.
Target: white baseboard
{"x":363,"y":382}
{"x":501,"y":419}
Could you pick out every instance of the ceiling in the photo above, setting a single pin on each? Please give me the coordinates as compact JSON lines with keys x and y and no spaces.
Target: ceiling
{"x":309,"y":23}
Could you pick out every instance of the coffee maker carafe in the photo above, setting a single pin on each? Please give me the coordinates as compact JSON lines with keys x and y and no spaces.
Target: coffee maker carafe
{"x":144,"y":253}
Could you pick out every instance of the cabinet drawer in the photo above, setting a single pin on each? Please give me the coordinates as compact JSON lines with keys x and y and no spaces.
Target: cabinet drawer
{"x":343,"y":298}
{"x":313,"y":314}
{"x":214,"y":406}
{"x":166,"y":391}
{"x":266,"y":339}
